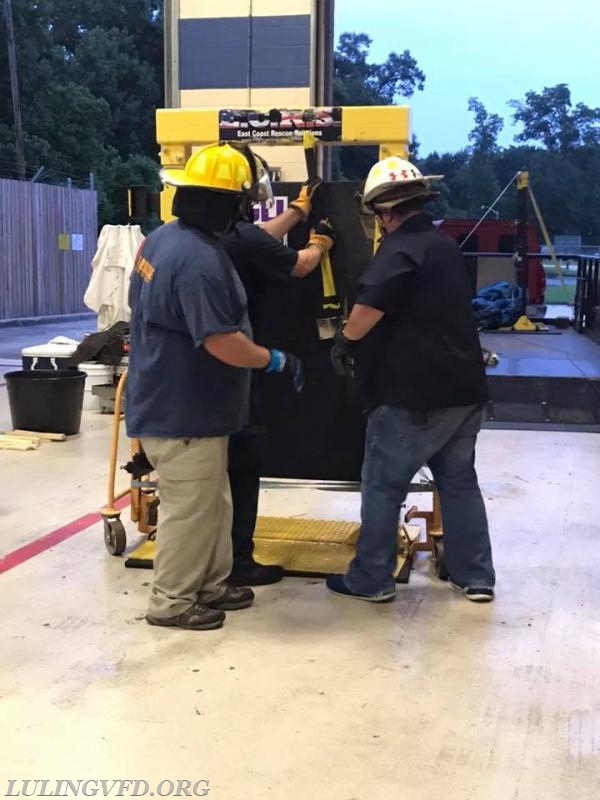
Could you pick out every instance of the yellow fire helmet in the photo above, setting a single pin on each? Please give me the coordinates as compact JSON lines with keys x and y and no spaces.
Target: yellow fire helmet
{"x":394,"y":180}
{"x":216,"y":166}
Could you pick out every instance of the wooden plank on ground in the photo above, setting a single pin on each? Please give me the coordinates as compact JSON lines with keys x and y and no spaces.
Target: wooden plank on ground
{"x":50,"y":437}
{"x":15,"y":443}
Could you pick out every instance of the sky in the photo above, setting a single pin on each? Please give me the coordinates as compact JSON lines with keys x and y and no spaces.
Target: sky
{"x":493,"y":51}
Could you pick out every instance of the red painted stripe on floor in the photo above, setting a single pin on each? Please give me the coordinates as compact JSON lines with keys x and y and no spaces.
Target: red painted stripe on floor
{"x":27,"y":551}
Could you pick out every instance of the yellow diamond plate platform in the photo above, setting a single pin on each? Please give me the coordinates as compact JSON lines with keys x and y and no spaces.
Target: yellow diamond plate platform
{"x":301,"y":546}
{"x":313,"y":546}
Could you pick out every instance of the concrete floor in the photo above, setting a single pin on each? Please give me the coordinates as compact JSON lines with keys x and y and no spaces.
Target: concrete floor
{"x":308,"y":695}
{"x":563,"y":354}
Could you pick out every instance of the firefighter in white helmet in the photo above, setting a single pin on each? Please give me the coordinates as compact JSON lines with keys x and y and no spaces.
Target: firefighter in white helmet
{"x":394,"y":180}
{"x":412,"y":340}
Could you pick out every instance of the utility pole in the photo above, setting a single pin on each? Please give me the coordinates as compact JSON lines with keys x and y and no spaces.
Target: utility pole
{"x":521,"y":258}
{"x":14,"y":88}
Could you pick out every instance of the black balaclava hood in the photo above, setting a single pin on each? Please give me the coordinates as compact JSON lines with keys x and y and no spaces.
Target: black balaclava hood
{"x":211,"y":211}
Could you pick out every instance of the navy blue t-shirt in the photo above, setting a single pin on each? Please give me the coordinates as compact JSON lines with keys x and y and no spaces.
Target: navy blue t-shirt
{"x":183,"y":289}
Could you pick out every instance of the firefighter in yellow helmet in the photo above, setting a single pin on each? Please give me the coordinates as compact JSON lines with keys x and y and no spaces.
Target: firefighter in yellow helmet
{"x":188,"y":385}
{"x":422,"y":371}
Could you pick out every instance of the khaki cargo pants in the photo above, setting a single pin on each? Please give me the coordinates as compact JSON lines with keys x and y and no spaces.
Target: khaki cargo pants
{"x":193,"y":540}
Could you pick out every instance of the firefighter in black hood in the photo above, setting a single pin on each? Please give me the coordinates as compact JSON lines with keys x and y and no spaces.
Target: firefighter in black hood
{"x":261,"y":258}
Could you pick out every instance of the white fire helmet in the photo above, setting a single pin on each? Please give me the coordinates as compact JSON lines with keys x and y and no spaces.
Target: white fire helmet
{"x":394,"y":180}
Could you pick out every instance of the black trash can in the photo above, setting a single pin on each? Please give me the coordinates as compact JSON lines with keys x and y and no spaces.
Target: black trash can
{"x":48,"y":401}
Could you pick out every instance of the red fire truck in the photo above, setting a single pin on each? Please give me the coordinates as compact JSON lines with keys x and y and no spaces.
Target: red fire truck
{"x":491,"y":239}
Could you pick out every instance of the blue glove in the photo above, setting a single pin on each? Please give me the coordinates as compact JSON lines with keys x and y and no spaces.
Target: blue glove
{"x":287,"y":362}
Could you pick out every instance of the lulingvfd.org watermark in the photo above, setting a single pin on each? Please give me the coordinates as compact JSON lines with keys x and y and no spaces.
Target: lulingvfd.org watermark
{"x":105,"y":788}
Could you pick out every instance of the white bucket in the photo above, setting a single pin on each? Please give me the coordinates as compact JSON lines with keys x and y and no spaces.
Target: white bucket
{"x":97,"y":375}
{"x":123,"y":366}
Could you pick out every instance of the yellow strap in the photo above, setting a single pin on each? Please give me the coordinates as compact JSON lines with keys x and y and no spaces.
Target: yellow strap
{"x":540,"y":219}
{"x":308,"y":139}
{"x":327,"y":276}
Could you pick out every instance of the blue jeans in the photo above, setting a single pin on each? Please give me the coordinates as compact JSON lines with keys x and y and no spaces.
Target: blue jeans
{"x":398,"y":443}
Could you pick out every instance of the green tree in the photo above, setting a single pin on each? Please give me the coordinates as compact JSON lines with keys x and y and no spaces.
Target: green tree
{"x":131,"y":90}
{"x":70,"y":20}
{"x":357,"y":82}
{"x":114,"y":178}
{"x":90,"y":75}
{"x":550,"y":118}
{"x":449,"y":165}
{"x":484,"y":134}
{"x":474,"y":186}
{"x":586,"y":201}
{"x":470,"y":184}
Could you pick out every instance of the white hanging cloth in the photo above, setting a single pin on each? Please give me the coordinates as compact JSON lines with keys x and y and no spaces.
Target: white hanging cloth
{"x":112,"y":264}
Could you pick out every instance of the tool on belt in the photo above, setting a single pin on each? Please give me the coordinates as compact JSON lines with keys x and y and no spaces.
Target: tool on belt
{"x":332,"y":310}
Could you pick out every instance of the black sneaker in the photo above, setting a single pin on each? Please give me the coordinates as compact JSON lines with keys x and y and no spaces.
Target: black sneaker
{"x":251,"y":573}
{"x":337,"y":585}
{"x":478,"y":594}
{"x":197,"y":617}
{"x":233,"y":597}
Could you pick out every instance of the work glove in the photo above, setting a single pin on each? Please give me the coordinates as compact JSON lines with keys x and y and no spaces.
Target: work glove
{"x":287,"y":363}
{"x":343,"y":354}
{"x":304,"y":200}
{"x":323,"y":236}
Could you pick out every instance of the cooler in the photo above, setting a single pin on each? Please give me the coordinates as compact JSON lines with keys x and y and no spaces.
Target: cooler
{"x":56,"y":353}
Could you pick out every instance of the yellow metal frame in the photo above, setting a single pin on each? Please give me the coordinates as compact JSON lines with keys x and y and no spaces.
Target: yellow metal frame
{"x":179,"y":130}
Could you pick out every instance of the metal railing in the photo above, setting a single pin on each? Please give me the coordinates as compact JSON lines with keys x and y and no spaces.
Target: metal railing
{"x":587,"y":293}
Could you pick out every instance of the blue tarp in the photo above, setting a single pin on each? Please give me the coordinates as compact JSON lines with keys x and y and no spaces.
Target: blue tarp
{"x":498,"y":305}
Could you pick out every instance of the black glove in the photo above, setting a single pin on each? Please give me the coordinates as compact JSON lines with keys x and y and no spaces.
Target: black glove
{"x":287,"y":362}
{"x":343,"y":354}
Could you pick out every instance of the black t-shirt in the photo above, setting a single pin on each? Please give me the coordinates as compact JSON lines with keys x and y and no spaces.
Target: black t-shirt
{"x":259,"y":258}
{"x":425,"y":353}
{"x":183,"y":289}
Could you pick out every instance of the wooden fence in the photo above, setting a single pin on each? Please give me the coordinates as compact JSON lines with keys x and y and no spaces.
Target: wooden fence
{"x":48,"y":238}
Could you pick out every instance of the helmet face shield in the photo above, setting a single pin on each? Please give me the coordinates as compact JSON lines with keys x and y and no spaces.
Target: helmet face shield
{"x":264,"y":192}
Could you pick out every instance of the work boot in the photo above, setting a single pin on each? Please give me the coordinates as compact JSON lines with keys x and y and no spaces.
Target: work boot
{"x":232,"y":598}
{"x":197,"y":617}
{"x":251,"y":573}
